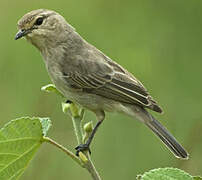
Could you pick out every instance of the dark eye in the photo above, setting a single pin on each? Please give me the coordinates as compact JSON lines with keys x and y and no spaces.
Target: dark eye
{"x":39,"y":21}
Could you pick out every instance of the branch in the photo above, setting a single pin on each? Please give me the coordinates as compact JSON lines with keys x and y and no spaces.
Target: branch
{"x":92,"y":170}
{"x":84,"y":159}
{"x":76,"y":119}
{"x":68,"y":152}
{"x":77,"y":122}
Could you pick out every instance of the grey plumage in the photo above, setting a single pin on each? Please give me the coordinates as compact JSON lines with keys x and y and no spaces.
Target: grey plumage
{"x":88,"y":77}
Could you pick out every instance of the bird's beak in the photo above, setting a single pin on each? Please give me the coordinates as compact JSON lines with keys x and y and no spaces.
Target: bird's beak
{"x":21,"y":33}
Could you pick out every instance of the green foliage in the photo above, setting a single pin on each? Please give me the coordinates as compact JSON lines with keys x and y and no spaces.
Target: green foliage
{"x":19,"y":141}
{"x":167,"y":174}
{"x":88,"y":128}
{"x":65,"y":107}
{"x":197,"y":178}
{"x":46,"y":124}
{"x":50,"y":88}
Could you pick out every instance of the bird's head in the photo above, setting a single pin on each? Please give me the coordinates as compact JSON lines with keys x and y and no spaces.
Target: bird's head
{"x":42,"y":27}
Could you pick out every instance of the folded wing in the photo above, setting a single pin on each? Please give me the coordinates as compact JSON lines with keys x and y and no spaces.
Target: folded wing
{"x":113,"y":85}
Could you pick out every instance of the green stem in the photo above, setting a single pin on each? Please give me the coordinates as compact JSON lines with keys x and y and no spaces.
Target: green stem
{"x":77,"y":128}
{"x":68,"y":152}
{"x":92,"y":170}
{"x":76,"y":119}
{"x":77,"y":123}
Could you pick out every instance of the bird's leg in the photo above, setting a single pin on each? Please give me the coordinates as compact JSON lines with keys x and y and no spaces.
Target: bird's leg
{"x":86,"y":146}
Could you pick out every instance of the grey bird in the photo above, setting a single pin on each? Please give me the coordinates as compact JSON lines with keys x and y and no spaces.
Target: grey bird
{"x":87,"y":77}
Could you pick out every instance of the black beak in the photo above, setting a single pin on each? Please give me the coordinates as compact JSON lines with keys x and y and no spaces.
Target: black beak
{"x":20,"y":34}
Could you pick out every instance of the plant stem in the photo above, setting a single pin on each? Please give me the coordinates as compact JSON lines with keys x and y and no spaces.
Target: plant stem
{"x":92,"y":170}
{"x":68,"y":152}
{"x":77,"y":123}
{"x":77,"y":128}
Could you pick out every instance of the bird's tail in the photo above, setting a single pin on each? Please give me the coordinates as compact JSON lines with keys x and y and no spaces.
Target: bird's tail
{"x":165,"y":136}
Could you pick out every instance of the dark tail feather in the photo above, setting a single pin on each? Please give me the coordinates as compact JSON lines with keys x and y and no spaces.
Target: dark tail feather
{"x":166,"y":137}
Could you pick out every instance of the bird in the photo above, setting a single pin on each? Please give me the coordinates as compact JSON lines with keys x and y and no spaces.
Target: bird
{"x":89,"y":78}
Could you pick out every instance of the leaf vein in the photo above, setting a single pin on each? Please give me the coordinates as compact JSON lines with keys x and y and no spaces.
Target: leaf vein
{"x":32,"y":147}
{"x":18,"y":139}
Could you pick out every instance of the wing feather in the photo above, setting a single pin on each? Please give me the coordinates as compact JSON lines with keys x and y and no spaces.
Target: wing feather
{"x":108,"y":80}
{"x":109,"y":87}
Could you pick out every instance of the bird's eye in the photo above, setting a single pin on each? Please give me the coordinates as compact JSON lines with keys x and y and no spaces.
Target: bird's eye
{"x":39,"y":21}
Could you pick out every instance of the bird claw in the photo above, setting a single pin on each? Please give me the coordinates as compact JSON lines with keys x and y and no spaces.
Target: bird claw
{"x":82,"y":148}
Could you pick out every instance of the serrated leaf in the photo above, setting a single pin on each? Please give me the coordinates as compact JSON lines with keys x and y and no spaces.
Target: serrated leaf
{"x":166,"y":174}
{"x":51,"y":88}
{"x":19,"y":140}
{"x":46,"y":124}
{"x":197,"y":178}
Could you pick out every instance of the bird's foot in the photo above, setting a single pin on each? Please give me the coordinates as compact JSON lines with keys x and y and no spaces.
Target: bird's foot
{"x":82,"y":148}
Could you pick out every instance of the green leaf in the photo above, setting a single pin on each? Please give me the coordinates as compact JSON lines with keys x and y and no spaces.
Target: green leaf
{"x":19,"y":141}
{"x":46,"y":124}
{"x":51,"y":88}
{"x":197,"y":178}
{"x":166,"y":174}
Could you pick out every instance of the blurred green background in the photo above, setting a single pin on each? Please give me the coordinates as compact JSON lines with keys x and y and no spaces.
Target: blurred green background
{"x":159,"y":41}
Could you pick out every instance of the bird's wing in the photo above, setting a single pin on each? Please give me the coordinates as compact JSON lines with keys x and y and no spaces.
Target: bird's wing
{"x":111,"y":81}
